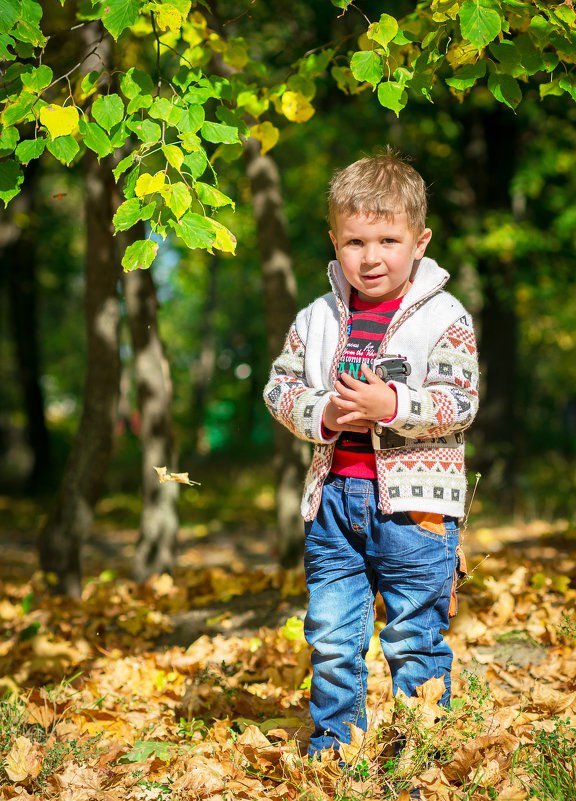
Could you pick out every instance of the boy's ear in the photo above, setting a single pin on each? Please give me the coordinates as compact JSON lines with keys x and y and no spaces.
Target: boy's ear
{"x":333,"y":240}
{"x":422,"y":242}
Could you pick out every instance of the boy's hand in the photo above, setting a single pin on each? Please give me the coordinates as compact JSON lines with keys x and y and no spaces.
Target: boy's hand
{"x":369,"y":400}
{"x":331,"y":420}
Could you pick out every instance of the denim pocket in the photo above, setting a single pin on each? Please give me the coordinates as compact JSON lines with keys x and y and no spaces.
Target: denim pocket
{"x":428,"y":528}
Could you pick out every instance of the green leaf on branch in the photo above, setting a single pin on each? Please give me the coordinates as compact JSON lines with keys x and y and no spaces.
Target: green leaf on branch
{"x":551,"y":88}
{"x":119,"y":134}
{"x":480,"y":23}
{"x":147,"y":131}
{"x":530,"y":58}
{"x":341,"y":3}
{"x":119,"y":15}
{"x":211,"y":196}
{"x":123,"y":165}
{"x":64,"y":148}
{"x":195,"y":164}
{"x":191,"y":120}
{"x":392,"y":95}
{"x":129,"y":185}
{"x":129,"y":212}
{"x":138,"y":102}
{"x":136,"y":82}
{"x":568,"y":84}
{"x":384,"y":30}
{"x":30,"y":149}
{"x":38,"y":79}
{"x":178,"y":198}
{"x":8,"y":139}
{"x":9,"y":11}
{"x":217,"y":133}
{"x":195,"y":231}
{"x":366,"y":65}
{"x":139,"y":255}
{"x":163,"y":109}
{"x":466,"y":76}
{"x":507,"y":54}
{"x":551,"y":61}
{"x":505,"y":89}
{"x":19,"y":110}
{"x":6,"y":42}
{"x":90,"y":82}
{"x":108,"y":111}
{"x":11,"y":177}
{"x":540,"y":30}
{"x":28,"y":27}
{"x":95,"y":138}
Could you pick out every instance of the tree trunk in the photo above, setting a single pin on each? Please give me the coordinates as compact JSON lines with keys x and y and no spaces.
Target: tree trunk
{"x":203,"y":370}
{"x":280,"y":309}
{"x":61,"y":539}
{"x":18,"y":258}
{"x":156,"y":548}
{"x":493,"y":143}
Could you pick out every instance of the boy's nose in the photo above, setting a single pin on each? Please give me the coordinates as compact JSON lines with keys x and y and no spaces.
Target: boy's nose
{"x":372,"y":254}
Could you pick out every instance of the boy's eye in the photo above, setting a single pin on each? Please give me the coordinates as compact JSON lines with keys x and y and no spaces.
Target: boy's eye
{"x":356,"y":242}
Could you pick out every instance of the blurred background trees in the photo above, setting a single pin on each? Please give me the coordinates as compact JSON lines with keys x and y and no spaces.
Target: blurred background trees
{"x":501,"y":177}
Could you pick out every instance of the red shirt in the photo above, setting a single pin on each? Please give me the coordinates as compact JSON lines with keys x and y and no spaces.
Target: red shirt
{"x":367,"y":324}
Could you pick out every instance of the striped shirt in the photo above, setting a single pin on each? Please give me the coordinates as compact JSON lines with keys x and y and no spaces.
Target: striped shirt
{"x":367,"y":324}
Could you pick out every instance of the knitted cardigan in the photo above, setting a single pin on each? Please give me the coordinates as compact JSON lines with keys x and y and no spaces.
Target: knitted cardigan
{"x":435,"y":333}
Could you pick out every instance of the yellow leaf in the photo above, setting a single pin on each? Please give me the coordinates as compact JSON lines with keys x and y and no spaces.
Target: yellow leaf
{"x":225,"y":239}
{"x":296,"y":107}
{"x":23,"y":760}
{"x":59,"y":120}
{"x":148,"y":184}
{"x":217,"y":44}
{"x":174,"y":155}
{"x":267,"y":134}
{"x":237,"y":54}
{"x":179,"y":478}
{"x":168,"y":17}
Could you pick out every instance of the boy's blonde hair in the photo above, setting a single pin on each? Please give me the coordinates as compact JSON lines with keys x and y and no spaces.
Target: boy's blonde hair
{"x":379,"y":186}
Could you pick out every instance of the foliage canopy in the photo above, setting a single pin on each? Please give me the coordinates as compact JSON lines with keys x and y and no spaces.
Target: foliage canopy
{"x":183,"y":89}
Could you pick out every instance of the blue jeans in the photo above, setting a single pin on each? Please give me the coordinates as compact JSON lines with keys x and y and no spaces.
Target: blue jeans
{"x":353,"y":551}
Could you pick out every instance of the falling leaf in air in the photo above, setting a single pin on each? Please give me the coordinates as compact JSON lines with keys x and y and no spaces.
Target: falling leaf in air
{"x":178,"y":478}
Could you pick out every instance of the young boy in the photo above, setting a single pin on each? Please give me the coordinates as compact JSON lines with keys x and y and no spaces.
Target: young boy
{"x":387,"y":484}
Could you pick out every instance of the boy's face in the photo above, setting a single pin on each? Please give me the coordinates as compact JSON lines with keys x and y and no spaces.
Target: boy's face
{"x":377,"y":254}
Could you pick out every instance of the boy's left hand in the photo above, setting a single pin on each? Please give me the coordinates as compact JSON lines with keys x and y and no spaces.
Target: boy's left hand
{"x":367,"y":400}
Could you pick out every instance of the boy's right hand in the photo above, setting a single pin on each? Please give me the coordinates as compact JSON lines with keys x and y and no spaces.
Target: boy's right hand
{"x":330,"y":420}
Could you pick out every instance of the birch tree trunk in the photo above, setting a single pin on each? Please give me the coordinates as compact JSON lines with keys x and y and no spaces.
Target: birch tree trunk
{"x":156,"y":547}
{"x":60,"y":541}
{"x":280,"y":309}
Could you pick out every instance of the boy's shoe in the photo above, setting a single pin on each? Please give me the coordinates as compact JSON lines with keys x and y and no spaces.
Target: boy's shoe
{"x":416,"y":793}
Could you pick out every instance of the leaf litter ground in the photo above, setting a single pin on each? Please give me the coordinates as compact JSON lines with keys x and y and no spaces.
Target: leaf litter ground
{"x":196,"y":687}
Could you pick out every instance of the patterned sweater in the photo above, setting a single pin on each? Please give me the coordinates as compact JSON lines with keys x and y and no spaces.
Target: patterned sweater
{"x":435,"y":333}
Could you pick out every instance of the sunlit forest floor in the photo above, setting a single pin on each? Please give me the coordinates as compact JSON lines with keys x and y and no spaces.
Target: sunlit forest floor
{"x":196,"y":686}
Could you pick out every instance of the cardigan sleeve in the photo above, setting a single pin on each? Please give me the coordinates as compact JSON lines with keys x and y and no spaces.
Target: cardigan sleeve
{"x":290,"y":399}
{"x":447,"y":402}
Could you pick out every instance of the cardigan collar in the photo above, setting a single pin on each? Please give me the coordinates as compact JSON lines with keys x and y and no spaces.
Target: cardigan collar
{"x":428,"y":279}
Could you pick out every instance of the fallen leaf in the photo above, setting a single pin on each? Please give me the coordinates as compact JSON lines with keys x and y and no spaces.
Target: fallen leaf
{"x":554,"y":702}
{"x":23,"y":761}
